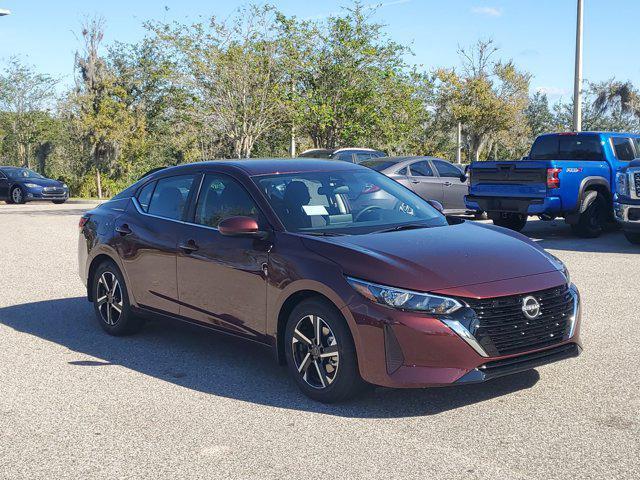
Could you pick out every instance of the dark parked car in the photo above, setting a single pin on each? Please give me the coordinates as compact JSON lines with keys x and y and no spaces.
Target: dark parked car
{"x":431,"y":178}
{"x":353,"y":155}
{"x":20,"y":185}
{"x":273,"y":251}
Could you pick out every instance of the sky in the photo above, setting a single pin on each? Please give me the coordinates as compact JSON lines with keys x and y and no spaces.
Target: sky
{"x":539,"y":35}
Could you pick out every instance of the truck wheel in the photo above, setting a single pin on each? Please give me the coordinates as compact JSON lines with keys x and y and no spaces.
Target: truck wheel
{"x":512,"y":221}
{"x":593,"y":220}
{"x":633,"y":237}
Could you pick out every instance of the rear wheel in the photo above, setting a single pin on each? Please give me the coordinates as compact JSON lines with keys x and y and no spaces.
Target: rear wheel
{"x":633,"y":237}
{"x":593,"y":220}
{"x":17,"y":195}
{"x":111,"y":301}
{"x":512,"y":221}
{"x":320,"y":353}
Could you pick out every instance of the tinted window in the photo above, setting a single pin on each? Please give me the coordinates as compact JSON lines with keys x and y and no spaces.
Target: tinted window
{"x":169,"y":199}
{"x":636,"y":142}
{"x":377,"y":165}
{"x":2,"y":175}
{"x":446,"y":169}
{"x":421,"y":169}
{"x":345,"y":156}
{"x":360,"y":157}
{"x":402,"y":171}
{"x":623,"y":149}
{"x":567,"y":147}
{"x":144,"y":196}
{"x":222,"y":197}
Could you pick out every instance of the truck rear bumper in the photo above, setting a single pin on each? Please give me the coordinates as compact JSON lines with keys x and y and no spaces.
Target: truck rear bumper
{"x":525,"y":206}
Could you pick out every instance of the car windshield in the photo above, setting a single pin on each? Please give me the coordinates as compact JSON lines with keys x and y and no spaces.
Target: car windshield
{"x":378,"y":165}
{"x":345,"y":202}
{"x":15,"y":172}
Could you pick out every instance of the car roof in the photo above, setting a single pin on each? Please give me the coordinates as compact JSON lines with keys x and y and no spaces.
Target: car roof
{"x":591,"y":132}
{"x":269,"y":166}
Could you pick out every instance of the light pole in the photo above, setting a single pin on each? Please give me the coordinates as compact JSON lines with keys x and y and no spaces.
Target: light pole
{"x":577,"y":85}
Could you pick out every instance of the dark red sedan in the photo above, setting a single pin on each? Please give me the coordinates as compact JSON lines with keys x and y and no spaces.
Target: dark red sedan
{"x":347,"y":275}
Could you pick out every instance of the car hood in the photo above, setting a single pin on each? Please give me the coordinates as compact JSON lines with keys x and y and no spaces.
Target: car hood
{"x":437,"y":258}
{"x":43,"y":182}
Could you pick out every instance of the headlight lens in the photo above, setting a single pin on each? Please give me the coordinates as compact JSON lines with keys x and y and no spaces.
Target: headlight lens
{"x":31,"y":185}
{"x":405,"y":299}
{"x":64,"y":185}
{"x":622,"y":183}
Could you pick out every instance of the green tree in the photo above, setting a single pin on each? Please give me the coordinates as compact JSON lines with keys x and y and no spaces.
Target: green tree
{"x":26,"y":98}
{"x":487,"y":96}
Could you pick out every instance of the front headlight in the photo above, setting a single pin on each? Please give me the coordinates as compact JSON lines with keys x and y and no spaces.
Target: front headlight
{"x":622,"y":184}
{"x":31,"y":185}
{"x":405,"y":299}
{"x":65,"y":186}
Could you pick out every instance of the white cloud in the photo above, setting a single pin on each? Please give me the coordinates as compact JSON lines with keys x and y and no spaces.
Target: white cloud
{"x":487,"y":11}
{"x":553,"y":91}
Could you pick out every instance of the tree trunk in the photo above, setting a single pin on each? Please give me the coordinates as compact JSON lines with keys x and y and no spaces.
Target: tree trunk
{"x":292,"y":150}
{"x":99,"y":183}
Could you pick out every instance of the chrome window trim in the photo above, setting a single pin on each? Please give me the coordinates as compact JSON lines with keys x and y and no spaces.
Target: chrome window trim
{"x":134,"y":200}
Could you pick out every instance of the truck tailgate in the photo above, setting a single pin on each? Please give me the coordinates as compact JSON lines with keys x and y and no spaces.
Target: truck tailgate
{"x":509,"y":179}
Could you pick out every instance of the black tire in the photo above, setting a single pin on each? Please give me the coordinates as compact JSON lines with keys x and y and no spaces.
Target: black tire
{"x":334,"y":378}
{"x":633,"y":237}
{"x":593,"y":221}
{"x":512,"y":221}
{"x":58,"y":202}
{"x":106,"y":305}
{"x":16,"y":196}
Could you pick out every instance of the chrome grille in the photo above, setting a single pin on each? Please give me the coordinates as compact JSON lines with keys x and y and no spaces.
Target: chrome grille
{"x":636,"y":182}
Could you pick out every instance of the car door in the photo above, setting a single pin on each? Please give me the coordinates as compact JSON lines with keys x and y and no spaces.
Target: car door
{"x":4,"y":186}
{"x":146,"y":239}
{"x":424,"y":182}
{"x":221,"y":279}
{"x":454,"y":188}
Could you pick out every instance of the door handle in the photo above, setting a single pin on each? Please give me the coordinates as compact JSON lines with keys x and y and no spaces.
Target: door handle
{"x":188,"y":247}
{"x":447,"y":184}
{"x":123,"y":229}
{"x":415,"y":181}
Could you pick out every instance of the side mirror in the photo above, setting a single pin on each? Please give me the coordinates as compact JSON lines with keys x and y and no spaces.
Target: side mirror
{"x":463,"y":177}
{"x":240,"y":227}
{"x":437,"y":205}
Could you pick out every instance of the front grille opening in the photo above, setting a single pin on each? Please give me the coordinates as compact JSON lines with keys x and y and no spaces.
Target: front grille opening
{"x":503,"y":329}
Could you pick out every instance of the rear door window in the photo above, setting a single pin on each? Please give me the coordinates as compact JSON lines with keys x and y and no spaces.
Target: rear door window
{"x":623,"y":148}
{"x":445,"y":169}
{"x":169,"y":199}
{"x":567,"y":147}
{"x":144,"y":196}
{"x":421,"y":169}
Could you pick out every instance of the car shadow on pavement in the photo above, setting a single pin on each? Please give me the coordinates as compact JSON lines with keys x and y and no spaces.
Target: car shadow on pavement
{"x":556,"y":235}
{"x":217,"y":364}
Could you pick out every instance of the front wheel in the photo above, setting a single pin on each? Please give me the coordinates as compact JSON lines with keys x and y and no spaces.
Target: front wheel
{"x":17,"y":196}
{"x":111,"y":301}
{"x":633,"y":237}
{"x":320,"y":353}
{"x":512,"y":221}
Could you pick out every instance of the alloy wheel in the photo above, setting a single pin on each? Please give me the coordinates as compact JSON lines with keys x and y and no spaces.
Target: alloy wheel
{"x":16,"y":195}
{"x":315,"y":351}
{"x":109,"y":298}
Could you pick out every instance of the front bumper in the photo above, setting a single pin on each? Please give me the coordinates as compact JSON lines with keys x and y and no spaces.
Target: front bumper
{"x":39,"y":195}
{"x":525,"y":206}
{"x":628,"y":216}
{"x":409,"y":350}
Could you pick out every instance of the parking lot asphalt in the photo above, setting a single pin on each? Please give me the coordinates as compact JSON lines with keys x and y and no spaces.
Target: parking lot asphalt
{"x":175,"y":402}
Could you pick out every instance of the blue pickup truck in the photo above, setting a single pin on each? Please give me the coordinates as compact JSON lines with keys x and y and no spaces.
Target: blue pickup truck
{"x":626,"y":202}
{"x":568,"y":175}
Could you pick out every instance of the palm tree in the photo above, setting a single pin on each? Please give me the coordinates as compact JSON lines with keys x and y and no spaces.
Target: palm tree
{"x":612,"y":94}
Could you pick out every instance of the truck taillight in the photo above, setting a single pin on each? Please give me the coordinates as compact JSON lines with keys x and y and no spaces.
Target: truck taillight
{"x":553,"y":179}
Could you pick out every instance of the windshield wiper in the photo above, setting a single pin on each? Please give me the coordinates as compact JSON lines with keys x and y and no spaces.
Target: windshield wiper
{"x":407,"y":226}
{"x":324,"y":234}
